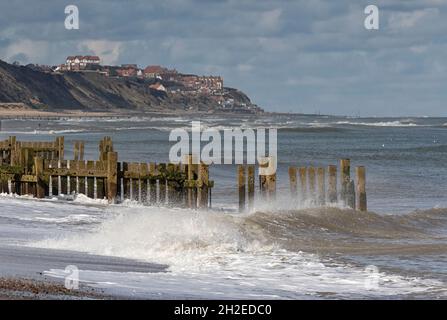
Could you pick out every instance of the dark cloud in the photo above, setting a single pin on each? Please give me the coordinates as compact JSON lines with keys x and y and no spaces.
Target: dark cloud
{"x":287,"y":55}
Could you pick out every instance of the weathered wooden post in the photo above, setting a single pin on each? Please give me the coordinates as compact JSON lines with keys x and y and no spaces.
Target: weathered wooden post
{"x":81,"y":150}
{"x":138,"y":186}
{"x":190,"y":176}
{"x":60,"y":142}
{"x":90,"y":180}
{"x":153,"y":182}
{"x":345,"y":178}
{"x":13,"y":150}
{"x":202,"y":193}
{"x":321,"y":186}
{"x":40,"y":188}
{"x":293,"y":182}
{"x":102,"y":154}
{"x":59,"y":179}
{"x":332,"y":187}
{"x":241,"y":186}
{"x":271,"y":183}
{"x":144,"y":186}
{"x":262,"y":179}
{"x":312,"y":184}
{"x":134,"y":169}
{"x":267,"y":175}
{"x":162,"y":186}
{"x":56,"y":146}
{"x":112,"y":176}
{"x":303,"y":182}
{"x":76,"y":151}
{"x":361,"y":189}
{"x":68,"y":178}
{"x":350,"y":199}
{"x":251,"y":186}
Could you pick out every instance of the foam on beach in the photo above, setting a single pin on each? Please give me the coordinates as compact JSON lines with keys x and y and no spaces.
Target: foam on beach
{"x":225,"y":253}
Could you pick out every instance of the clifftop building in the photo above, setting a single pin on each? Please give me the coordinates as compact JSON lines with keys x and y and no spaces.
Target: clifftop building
{"x":76,"y":63}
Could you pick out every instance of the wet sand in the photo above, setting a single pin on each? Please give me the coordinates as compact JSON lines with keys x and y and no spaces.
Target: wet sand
{"x":22,"y":273}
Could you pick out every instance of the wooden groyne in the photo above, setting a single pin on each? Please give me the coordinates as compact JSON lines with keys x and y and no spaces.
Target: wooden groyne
{"x":40,"y":170}
{"x":318,"y":186}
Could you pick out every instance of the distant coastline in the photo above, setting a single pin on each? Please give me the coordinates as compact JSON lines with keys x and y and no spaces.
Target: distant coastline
{"x":18,"y":111}
{"x":33,"y":89}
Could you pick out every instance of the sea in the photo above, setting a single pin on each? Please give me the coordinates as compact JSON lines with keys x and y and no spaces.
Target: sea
{"x":284,"y":248}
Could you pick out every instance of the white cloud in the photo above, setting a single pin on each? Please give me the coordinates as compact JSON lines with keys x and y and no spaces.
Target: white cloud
{"x":404,"y":20}
{"x":419,"y":49}
{"x":244,"y":67}
{"x":270,"y":20}
{"x":32,"y":50}
{"x":109,"y":51}
{"x":317,"y":52}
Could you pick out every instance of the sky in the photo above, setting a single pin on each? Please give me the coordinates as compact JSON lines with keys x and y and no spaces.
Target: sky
{"x":288,"y":56}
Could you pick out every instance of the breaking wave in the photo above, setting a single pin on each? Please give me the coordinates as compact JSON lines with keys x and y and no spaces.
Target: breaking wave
{"x":178,"y":237}
{"x":275,"y":254}
{"x":380,"y":123}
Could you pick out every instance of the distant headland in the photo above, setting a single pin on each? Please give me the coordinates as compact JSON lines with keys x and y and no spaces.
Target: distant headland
{"x":83,"y":84}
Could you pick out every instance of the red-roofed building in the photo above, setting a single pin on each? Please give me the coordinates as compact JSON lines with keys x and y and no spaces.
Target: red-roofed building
{"x":202,"y":84}
{"x":129,"y":71}
{"x":153,"y":71}
{"x":160,"y":72}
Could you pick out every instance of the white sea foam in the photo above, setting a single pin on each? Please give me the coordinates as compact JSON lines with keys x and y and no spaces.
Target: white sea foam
{"x":379,"y":124}
{"x":209,"y":255}
{"x":83,"y":199}
{"x":44,"y":132}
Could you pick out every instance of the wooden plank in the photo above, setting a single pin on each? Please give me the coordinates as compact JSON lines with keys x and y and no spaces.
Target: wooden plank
{"x":81,"y":179}
{"x":126,"y":181}
{"x":312,"y":180}
{"x":241,"y":169}
{"x":162,"y":184}
{"x":76,"y":151}
{"x":100,"y":182}
{"x":321,"y":199}
{"x":332,"y":185}
{"x":350,"y":197}
{"x":91,"y":179}
{"x":38,"y":166}
{"x":303,"y":182}
{"x":144,"y":172}
{"x":81,"y":150}
{"x":152,"y":183}
{"x":361,"y":188}
{"x":191,"y":194}
{"x":61,"y":148}
{"x":202,"y":192}
{"x":293,"y":182}
{"x":63,"y":179}
{"x":345,"y":178}
{"x":251,"y":186}
{"x":135,"y":169}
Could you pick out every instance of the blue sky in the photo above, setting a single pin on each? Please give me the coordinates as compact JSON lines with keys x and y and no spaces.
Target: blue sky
{"x":299,"y":56}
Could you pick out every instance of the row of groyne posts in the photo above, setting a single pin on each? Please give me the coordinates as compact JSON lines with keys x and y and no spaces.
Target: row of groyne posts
{"x":309,"y":185}
{"x":39,"y":169}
